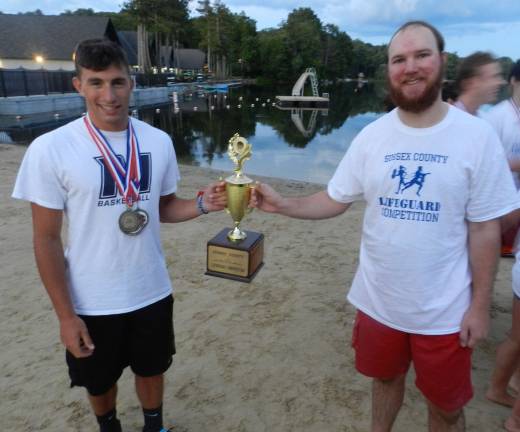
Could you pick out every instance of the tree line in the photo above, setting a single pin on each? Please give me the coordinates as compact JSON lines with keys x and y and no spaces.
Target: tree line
{"x":234,"y":47}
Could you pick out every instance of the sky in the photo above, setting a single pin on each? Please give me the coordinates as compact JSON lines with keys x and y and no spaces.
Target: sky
{"x":467,"y":25}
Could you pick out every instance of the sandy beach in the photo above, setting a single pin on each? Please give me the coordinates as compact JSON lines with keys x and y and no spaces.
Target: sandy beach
{"x":273,"y":355}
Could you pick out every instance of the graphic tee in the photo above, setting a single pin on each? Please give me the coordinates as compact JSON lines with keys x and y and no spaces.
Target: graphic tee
{"x":421,"y":187}
{"x":108,"y":272}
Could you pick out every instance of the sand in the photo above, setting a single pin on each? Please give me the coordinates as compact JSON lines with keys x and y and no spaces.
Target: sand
{"x":272,"y":355}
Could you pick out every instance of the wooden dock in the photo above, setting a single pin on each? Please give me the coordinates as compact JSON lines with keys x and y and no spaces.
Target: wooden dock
{"x":303,"y":101}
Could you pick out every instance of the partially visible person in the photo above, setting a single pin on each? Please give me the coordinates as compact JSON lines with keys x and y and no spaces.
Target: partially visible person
{"x":114,"y":179}
{"x":435,"y":183}
{"x":505,"y":118}
{"x":479,"y":78}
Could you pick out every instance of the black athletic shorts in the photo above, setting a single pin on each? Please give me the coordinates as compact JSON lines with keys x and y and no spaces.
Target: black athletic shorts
{"x":142,"y":339}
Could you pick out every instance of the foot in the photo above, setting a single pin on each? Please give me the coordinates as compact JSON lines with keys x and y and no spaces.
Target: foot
{"x":514,"y":383}
{"x":501,"y":398}
{"x":513,"y":391}
{"x":512,"y":425}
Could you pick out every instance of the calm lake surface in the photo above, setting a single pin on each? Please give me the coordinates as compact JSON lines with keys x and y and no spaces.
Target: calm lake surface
{"x":297,"y":144}
{"x":294,"y":144}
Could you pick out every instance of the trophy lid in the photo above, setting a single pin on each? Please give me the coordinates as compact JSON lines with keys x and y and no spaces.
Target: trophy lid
{"x":238,"y":179}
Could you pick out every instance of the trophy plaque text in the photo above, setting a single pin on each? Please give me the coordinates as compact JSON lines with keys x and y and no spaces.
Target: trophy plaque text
{"x":233,"y":253}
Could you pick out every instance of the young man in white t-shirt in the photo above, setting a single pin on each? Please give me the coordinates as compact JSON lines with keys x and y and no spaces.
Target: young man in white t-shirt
{"x":114,"y":179}
{"x":435,"y":183}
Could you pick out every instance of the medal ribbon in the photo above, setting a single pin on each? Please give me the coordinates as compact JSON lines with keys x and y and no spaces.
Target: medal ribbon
{"x":127,"y":177}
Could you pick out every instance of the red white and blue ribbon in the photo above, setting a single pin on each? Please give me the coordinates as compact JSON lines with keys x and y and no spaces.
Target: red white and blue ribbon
{"x":127,"y":175}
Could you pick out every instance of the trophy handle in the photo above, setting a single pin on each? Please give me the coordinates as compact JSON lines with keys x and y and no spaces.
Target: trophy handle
{"x":250,"y":209}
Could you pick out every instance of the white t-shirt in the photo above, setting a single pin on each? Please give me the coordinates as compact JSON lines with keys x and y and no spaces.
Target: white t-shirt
{"x":421,"y":186}
{"x":506,"y":123}
{"x":108,"y":271}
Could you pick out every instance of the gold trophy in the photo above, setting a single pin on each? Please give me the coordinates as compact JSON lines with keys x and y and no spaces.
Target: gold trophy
{"x":233,"y":253}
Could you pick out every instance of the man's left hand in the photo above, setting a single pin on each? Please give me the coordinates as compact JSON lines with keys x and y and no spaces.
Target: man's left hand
{"x":474,"y":327}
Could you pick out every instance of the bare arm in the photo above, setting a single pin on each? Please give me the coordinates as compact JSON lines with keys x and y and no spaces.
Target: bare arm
{"x":510,"y":220}
{"x":174,"y":209}
{"x":48,"y":250}
{"x":484,"y":248}
{"x":514,"y":165}
{"x":316,"y":206}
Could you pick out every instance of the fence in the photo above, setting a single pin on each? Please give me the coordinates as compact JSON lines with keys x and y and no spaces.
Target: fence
{"x":24,"y":82}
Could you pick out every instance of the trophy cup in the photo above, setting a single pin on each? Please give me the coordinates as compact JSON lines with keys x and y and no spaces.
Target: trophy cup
{"x":233,"y":253}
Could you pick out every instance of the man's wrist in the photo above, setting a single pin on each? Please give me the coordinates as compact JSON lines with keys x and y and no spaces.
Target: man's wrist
{"x":200,"y":203}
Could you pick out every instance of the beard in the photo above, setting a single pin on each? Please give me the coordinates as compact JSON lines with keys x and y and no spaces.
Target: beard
{"x":421,"y":102}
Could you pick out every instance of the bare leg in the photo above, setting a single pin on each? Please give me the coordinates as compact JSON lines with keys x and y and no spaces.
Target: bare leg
{"x":387,"y":398}
{"x":150,"y":390}
{"x":506,"y":363}
{"x":445,"y":421}
{"x":104,"y":403}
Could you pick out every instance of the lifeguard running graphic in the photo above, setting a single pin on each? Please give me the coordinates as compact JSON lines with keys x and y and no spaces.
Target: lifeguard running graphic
{"x":418,"y":179}
{"x":411,"y":182}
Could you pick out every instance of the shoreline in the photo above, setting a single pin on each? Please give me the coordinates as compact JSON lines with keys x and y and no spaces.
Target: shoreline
{"x":272,"y":355}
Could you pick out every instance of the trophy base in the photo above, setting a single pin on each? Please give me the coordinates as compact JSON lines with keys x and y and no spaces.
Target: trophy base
{"x":234,"y":260}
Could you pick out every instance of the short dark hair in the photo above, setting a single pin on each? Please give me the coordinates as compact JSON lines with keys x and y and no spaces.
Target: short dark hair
{"x":470,"y":65}
{"x":515,"y":71}
{"x":98,"y":55}
{"x":436,"y":33}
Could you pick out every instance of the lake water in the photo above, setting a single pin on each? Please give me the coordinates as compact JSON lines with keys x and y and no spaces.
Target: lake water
{"x":295,"y":144}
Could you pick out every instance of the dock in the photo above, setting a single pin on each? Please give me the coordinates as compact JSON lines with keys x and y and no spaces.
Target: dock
{"x":302,"y":101}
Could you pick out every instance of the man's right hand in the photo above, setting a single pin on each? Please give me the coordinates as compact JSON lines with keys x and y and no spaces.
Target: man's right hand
{"x":75,"y":337}
{"x":265,"y":198}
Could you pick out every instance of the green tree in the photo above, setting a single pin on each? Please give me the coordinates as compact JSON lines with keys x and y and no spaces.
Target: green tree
{"x":274,"y":55}
{"x":336,"y":52}
{"x":451,"y":65}
{"x":303,"y":40}
{"x":164,"y":18}
{"x":204,"y":26}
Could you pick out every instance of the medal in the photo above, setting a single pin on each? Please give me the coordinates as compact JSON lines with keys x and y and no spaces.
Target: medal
{"x":132,"y":222}
{"x":126,"y":176}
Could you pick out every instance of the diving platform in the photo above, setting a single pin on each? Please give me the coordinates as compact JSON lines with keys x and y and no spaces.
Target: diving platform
{"x":297,"y":99}
{"x":302,"y":101}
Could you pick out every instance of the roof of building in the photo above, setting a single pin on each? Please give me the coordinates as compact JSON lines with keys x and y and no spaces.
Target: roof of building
{"x":189,"y":58}
{"x":52,"y":36}
{"x":128,"y":41}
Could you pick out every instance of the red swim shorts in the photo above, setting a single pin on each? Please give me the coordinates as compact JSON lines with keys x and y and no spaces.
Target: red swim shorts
{"x":442,"y":366}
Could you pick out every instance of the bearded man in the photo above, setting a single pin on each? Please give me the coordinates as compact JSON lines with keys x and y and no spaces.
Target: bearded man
{"x":427,"y":261}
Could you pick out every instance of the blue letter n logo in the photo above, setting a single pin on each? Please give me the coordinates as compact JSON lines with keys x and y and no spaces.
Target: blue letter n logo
{"x":108,"y":185}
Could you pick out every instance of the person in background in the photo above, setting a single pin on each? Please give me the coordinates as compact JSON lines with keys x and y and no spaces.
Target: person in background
{"x":114,"y":178}
{"x":435,"y":182}
{"x":478,"y":81}
{"x":505,"y":118}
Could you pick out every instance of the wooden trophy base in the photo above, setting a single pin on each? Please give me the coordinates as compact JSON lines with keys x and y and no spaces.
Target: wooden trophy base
{"x":238,"y":261}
